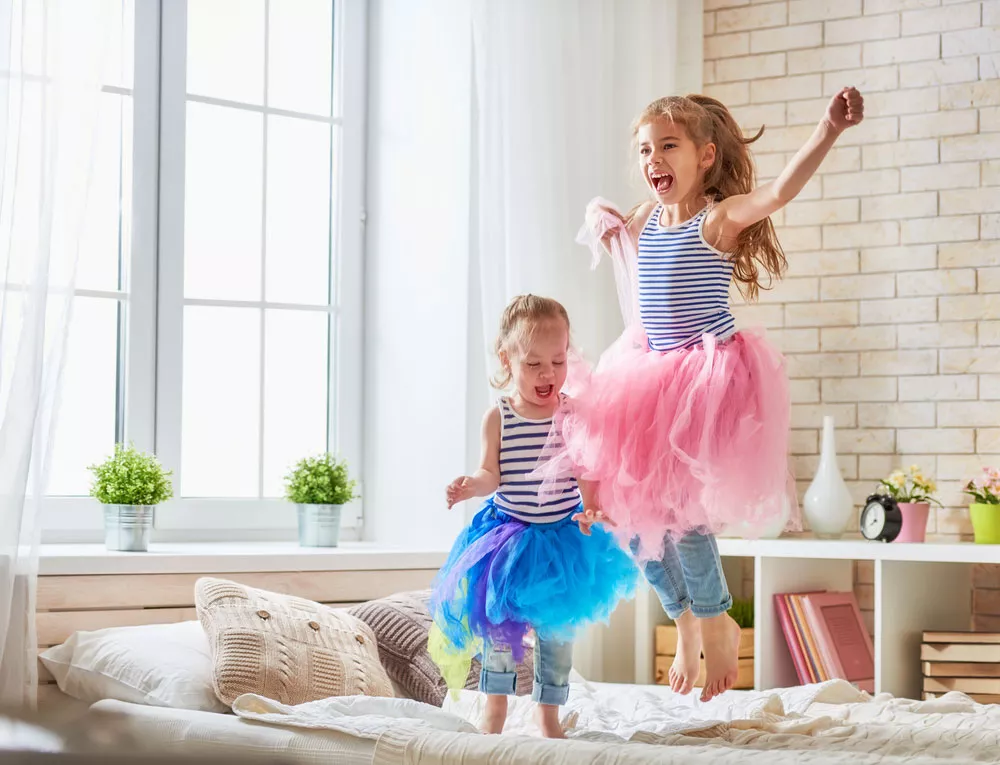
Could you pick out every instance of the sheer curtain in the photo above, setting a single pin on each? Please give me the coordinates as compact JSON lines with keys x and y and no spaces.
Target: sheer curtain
{"x":557,"y":85}
{"x":51,"y":58}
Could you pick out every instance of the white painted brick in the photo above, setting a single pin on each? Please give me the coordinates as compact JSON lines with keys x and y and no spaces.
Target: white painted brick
{"x":899,"y":206}
{"x":803,"y":392}
{"x":868,"y":80}
{"x":785,"y":139}
{"x":873,"y":130}
{"x":727,"y":46}
{"x":882,"y":363}
{"x":970,"y":307}
{"x":982,"y":40}
{"x":766,"y":316}
{"x":991,"y":13}
{"x":828,"y":211}
{"x":956,"y":202}
{"x":708,"y":24}
{"x":750,"y":67}
{"x":950,"y":334}
{"x":888,"y":6}
{"x":803,"y":442}
{"x":912,"y":440}
{"x":974,"y":414}
{"x":770,"y":165}
{"x":714,"y":5}
{"x":708,"y":72}
{"x":958,"y":468}
{"x":909,"y":101}
{"x":989,"y":66}
{"x":843,"y":159}
{"x":989,"y":119}
{"x":912,"y":257}
{"x":858,"y":287}
{"x":971,"y":95}
{"x":960,"y":122}
{"x":948,"y":71}
{"x":806,"y":416}
{"x":872,"y":467}
{"x":826,"y":59}
{"x":954,"y":175}
{"x":884,"y":415}
{"x":795,"y":340}
{"x":958,"y":148}
{"x":988,"y":280}
{"x":938,"y":388}
{"x":955,"y":228}
{"x":991,"y":172}
{"x":857,"y":338}
{"x":786,"y":88}
{"x":941,"y":282}
{"x":802,"y":11}
{"x":865,"y":441}
{"x":822,"y":315}
{"x":807,"y":112}
{"x":988,"y":441}
{"x":823,"y":263}
{"x":754,"y":17}
{"x":989,"y":226}
{"x":866,"y":183}
{"x":792,"y":290}
{"x":899,"y":311}
{"x":900,"y":153}
{"x":752,"y":117}
{"x":960,"y":361}
{"x":831,"y":365}
{"x":786,"y":38}
{"x":984,"y":254}
{"x":904,"y":50}
{"x":963,"y":16}
{"x":856,"y":30}
{"x":729,"y":92}
{"x":875,"y":234}
{"x":989,"y":333}
{"x":989,"y":387}
{"x":801,"y":238}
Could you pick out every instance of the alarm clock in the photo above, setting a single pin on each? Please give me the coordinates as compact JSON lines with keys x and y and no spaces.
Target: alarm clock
{"x":881,"y":518}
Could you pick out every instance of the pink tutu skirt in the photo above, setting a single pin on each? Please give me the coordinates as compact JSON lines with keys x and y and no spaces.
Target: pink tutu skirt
{"x":686,"y":440}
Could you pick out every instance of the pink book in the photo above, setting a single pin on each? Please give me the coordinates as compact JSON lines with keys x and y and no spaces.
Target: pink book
{"x":842,"y":638}
{"x":792,"y":639}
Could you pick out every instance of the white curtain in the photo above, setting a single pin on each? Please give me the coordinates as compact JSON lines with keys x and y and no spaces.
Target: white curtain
{"x":51,"y":58}
{"x":557,"y":85}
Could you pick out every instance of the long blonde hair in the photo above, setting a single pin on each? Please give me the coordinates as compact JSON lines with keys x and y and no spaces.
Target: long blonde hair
{"x":520,"y":319}
{"x":707,"y":120}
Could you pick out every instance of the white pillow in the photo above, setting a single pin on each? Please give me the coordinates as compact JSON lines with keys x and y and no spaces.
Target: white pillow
{"x":162,"y":665}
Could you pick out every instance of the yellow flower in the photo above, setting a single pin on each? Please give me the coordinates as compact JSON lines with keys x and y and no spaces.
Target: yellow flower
{"x":931,"y":487}
{"x":914,"y":469}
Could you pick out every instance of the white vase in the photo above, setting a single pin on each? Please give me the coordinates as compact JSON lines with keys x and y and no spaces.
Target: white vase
{"x":828,"y":506}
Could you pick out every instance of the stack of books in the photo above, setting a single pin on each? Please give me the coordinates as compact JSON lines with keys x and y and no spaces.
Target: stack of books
{"x":968,"y":662}
{"x":827,"y":638}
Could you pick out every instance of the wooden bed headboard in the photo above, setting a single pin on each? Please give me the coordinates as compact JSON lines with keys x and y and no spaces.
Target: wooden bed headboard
{"x":67,"y":604}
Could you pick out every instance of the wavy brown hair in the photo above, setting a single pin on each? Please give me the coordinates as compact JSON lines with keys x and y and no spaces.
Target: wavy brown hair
{"x":520,"y":319}
{"x":707,"y":120}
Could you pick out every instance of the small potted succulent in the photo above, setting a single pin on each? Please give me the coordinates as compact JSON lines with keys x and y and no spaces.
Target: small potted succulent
{"x":319,"y":487}
{"x":130,"y":484}
{"x":984,"y":511}
{"x":913,"y":492}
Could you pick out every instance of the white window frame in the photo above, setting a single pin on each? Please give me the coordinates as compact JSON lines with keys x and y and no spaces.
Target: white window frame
{"x":153,"y":325}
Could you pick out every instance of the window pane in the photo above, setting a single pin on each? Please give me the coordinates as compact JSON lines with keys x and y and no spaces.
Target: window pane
{"x":220,"y":425}
{"x":225,"y":49}
{"x":295,"y":391}
{"x":120,"y":58}
{"x":222,"y":203}
{"x":105,"y":226}
{"x":298,"y":211}
{"x":299,"y":55}
{"x":85,"y":426}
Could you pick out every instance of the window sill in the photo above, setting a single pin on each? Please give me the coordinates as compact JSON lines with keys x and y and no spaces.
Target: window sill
{"x":230,"y":557}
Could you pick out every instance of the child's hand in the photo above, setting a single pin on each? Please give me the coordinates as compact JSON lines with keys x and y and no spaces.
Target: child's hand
{"x":846,"y":109}
{"x":588,"y":518}
{"x":460,"y":490}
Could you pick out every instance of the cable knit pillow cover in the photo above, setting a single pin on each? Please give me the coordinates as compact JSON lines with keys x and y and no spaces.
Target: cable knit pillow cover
{"x":285,"y":648}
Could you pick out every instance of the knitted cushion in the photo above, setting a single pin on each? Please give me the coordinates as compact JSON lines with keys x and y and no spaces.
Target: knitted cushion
{"x":285,"y":648}
{"x":401,"y":623}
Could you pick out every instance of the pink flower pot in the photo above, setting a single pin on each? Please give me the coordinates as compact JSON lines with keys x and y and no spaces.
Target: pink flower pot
{"x":914,"y":521}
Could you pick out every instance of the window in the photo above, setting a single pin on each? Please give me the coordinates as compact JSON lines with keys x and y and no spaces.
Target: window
{"x":225,"y":330}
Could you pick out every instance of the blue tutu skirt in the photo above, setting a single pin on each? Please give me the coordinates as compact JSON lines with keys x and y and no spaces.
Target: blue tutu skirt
{"x":505,"y":577}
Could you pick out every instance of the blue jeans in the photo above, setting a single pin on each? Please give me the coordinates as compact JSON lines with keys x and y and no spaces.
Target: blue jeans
{"x":553,"y":661}
{"x":689,"y":577}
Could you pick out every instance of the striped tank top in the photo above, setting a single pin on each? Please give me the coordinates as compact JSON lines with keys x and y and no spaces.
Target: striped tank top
{"x":522,"y":447}
{"x":683,"y":284}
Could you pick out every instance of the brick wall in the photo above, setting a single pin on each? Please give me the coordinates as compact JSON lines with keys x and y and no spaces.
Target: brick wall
{"x":890,"y":315}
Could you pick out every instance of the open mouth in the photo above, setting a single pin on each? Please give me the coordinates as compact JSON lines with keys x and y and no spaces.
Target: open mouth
{"x":662,"y":182}
{"x":544,"y":391}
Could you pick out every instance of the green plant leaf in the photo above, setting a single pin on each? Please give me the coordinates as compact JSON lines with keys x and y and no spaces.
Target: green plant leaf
{"x":130,"y":477}
{"x":320,"y":480}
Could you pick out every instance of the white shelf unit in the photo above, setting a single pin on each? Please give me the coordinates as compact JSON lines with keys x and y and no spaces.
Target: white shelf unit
{"x":917,"y":587}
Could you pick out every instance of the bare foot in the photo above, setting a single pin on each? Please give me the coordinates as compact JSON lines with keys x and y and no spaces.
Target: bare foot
{"x":722,"y":647}
{"x":547,"y":717}
{"x":495,"y":714}
{"x":683,"y":672}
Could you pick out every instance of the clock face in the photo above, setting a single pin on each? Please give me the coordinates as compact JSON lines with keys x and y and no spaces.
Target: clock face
{"x":873,"y":520}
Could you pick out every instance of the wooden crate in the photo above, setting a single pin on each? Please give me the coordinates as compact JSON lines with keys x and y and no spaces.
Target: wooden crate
{"x":666,"y":648}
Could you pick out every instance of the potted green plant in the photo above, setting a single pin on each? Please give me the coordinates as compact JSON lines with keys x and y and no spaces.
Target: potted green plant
{"x":319,"y":487}
{"x":913,"y":492}
{"x":984,"y":511}
{"x":130,"y":484}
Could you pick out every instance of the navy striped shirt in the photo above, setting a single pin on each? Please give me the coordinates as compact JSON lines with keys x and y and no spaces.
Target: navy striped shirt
{"x":522,"y":448}
{"x":683,"y":284}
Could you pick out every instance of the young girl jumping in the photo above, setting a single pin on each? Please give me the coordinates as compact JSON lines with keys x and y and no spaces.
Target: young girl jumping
{"x":523,"y":562}
{"x":684,"y":424}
